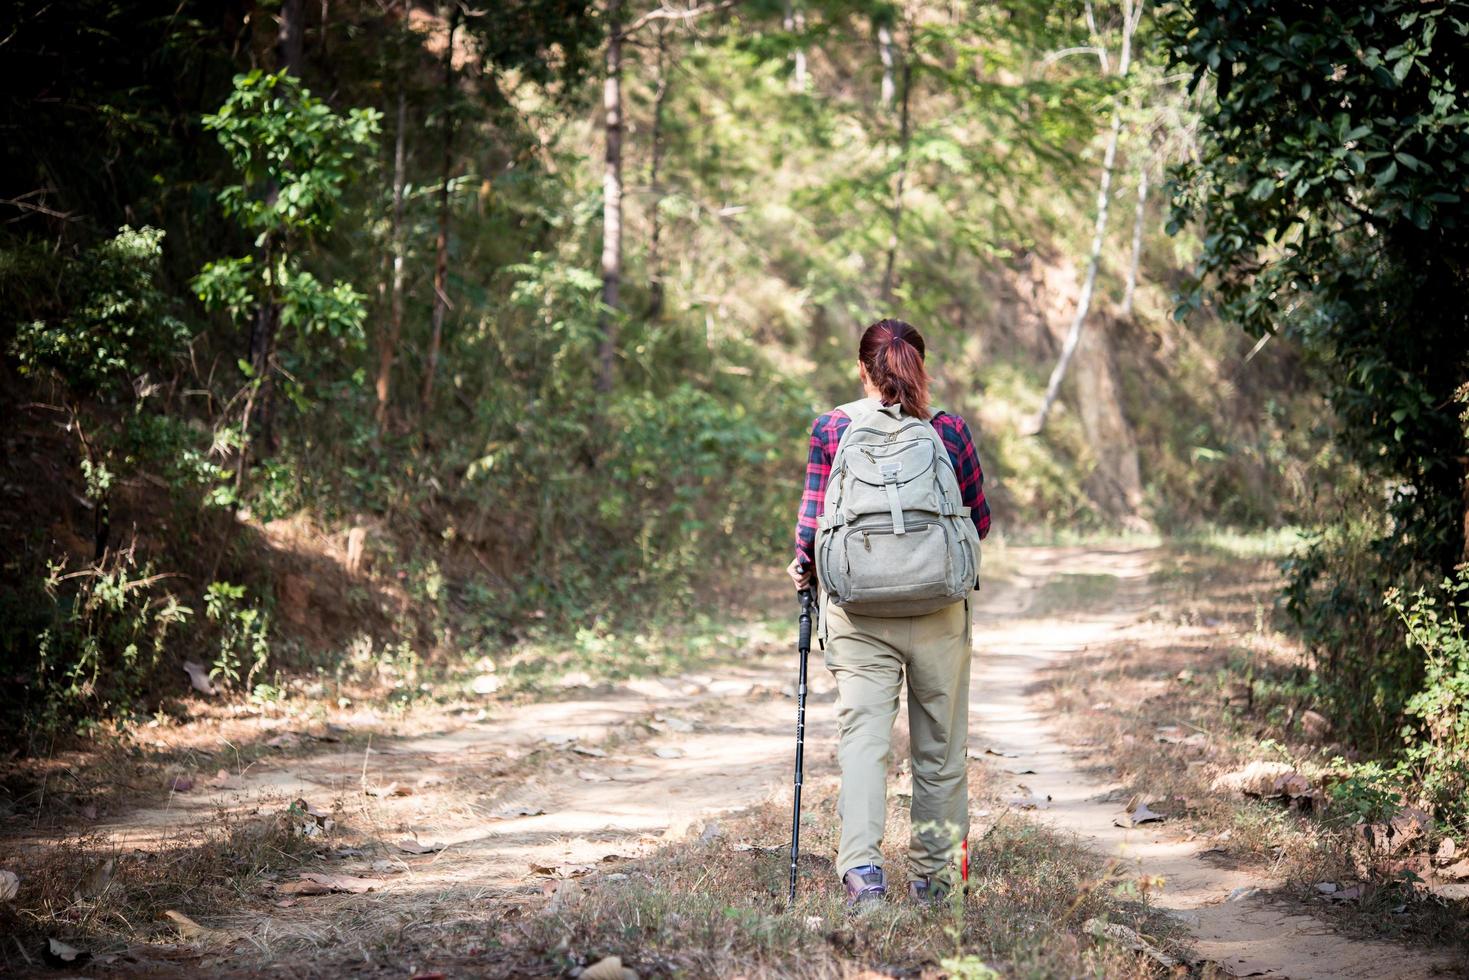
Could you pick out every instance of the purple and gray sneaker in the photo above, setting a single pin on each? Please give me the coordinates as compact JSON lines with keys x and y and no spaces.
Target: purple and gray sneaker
{"x":866,"y":885}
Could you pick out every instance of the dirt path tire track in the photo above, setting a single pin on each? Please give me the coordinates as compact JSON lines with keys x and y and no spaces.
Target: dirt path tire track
{"x":1248,"y":937}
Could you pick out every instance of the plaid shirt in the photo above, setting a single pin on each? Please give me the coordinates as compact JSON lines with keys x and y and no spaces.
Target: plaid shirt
{"x":827,"y":432}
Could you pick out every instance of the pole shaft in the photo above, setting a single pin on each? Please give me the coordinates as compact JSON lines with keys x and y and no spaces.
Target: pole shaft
{"x":804,"y":648}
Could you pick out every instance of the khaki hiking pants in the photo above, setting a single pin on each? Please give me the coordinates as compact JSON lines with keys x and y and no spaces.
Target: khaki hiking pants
{"x":870,"y":658}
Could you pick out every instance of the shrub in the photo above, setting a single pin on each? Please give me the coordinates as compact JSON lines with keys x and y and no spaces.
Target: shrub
{"x":99,"y":639}
{"x":109,"y":321}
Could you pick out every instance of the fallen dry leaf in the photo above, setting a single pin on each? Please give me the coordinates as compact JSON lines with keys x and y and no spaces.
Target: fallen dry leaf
{"x":669,"y":752}
{"x":411,"y":846}
{"x":9,"y":885}
{"x":520,"y":810}
{"x":1446,"y":851}
{"x":592,"y":777}
{"x":589,"y":750}
{"x":65,"y":954}
{"x":1256,"y":779}
{"x":1141,"y":815}
{"x":561,"y":870}
{"x":199,"y":677}
{"x":187,"y":927}
{"x":285,"y":740}
{"x":610,"y":968}
{"x":1455,"y":872}
{"x":391,"y":789}
{"x":315,"y":883}
{"x":1123,"y":936}
{"x":180,"y":784}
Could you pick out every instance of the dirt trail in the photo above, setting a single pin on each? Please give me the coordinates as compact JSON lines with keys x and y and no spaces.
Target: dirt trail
{"x":570,"y":782}
{"x":1245,"y":937}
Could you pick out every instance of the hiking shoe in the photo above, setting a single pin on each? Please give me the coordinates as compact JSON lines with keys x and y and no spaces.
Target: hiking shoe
{"x":927,"y":892}
{"x":865,"y":885}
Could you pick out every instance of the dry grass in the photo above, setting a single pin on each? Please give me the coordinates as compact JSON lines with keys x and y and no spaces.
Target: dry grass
{"x":110,"y":902}
{"x":1215,"y":663}
{"x":715,"y":906}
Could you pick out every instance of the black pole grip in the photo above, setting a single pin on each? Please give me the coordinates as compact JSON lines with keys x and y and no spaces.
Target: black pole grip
{"x":805,"y":621}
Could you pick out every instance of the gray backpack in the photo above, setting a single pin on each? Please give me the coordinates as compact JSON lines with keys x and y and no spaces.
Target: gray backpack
{"x":894,"y":538}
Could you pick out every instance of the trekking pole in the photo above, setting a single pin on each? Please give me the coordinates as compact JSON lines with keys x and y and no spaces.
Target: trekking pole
{"x":803,"y":647}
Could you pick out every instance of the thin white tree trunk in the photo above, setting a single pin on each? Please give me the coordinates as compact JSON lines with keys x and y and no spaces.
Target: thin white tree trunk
{"x":885,"y":52}
{"x":1131,"y":12}
{"x":1138,"y":214}
{"x":895,"y":234}
{"x":611,"y":198}
{"x":655,"y":258}
{"x":793,"y":21}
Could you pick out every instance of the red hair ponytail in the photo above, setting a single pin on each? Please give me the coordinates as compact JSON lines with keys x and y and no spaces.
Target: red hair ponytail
{"x":892,"y":352}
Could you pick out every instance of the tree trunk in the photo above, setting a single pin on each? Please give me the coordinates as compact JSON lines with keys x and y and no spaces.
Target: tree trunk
{"x":1130,"y":16}
{"x":441,"y":244}
{"x":885,"y":52}
{"x":660,"y":96}
{"x":1138,"y":215}
{"x":611,"y":198}
{"x":258,"y":414}
{"x":793,"y":21}
{"x":393,"y":334}
{"x":904,"y":134}
{"x":290,"y":36}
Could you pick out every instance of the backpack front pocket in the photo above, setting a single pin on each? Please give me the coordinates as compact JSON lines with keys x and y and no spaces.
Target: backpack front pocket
{"x":880,"y":564}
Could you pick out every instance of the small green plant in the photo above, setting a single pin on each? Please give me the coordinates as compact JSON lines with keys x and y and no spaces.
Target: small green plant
{"x":103,"y":637}
{"x":968,"y":967}
{"x":1437,"y":738}
{"x":244,"y":634}
{"x":1370,"y":791}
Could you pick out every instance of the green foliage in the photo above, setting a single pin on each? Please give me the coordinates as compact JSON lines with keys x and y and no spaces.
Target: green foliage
{"x":1329,"y":185}
{"x":1369,"y":792}
{"x":100,"y":638}
{"x":112,"y":319}
{"x":292,"y":152}
{"x":1438,"y":738}
{"x":244,"y":635}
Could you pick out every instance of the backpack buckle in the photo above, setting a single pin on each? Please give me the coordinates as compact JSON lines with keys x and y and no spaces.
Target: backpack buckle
{"x":890,"y":472}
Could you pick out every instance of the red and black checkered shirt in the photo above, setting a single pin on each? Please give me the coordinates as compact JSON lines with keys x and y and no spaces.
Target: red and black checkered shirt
{"x":827,"y":432}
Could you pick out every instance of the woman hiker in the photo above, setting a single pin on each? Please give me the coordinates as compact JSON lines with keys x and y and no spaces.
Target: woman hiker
{"x":895,"y":555}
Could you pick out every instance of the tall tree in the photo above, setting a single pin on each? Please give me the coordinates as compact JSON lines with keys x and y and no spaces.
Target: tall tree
{"x":1139,"y":215}
{"x":258,"y":415}
{"x":655,"y":187}
{"x":441,"y":242}
{"x":1330,"y":184}
{"x":900,"y":181}
{"x":1132,"y":11}
{"x":793,"y":20}
{"x":611,"y":197}
{"x":392,"y":333}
